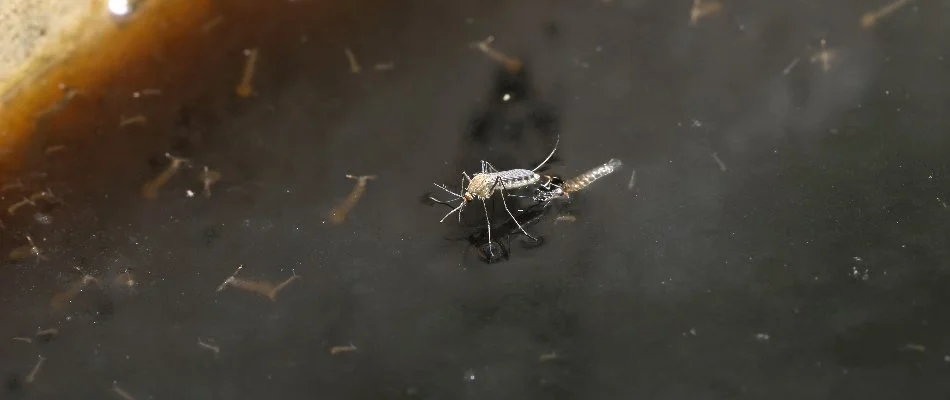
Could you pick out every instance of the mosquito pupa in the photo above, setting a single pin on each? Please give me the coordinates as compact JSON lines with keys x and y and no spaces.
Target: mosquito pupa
{"x":482,"y":186}
{"x":36,"y":369}
{"x":342,"y":349}
{"x":260,"y":287}
{"x":150,"y":189}
{"x":870,"y":18}
{"x":351,"y":59}
{"x":702,"y":9}
{"x":244,"y":88}
{"x":338,"y":214}
{"x":513,"y":65}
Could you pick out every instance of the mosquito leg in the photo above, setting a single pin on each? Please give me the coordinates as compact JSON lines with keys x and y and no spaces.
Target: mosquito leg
{"x":491,"y":254}
{"x":491,"y":168}
{"x":513,"y":218}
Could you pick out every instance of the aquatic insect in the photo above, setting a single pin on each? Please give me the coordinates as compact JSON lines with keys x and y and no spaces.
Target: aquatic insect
{"x":150,"y":188}
{"x":484,"y":184}
{"x":263,"y":288}
{"x":551,"y":190}
{"x":338,"y":213}
{"x":245,"y":88}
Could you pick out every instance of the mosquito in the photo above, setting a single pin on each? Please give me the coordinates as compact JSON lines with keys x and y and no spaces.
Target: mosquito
{"x":483,"y":185}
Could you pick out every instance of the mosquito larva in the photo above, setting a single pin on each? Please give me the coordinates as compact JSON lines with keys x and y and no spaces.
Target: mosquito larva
{"x":150,"y":188}
{"x":9,"y":186}
{"x":389,"y":66}
{"x":208,"y":177}
{"x":215,"y":349}
{"x":25,"y":251}
{"x":338,"y":214}
{"x":870,"y":18}
{"x":351,"y":59}
{"x":47,"y":332}
{"x":565,"y":218}
{"x":790,"y":66}
{"x":211,"y":24}
{"x":260,"y":287}
{"x":342,"y":349}
{"x":16,"y":206}
{"x":46,"y":195}
{"x":633,"y":180}
{"x":22,"y":339}
{"x":120,"y":392}
{"x":60,"y":299}
{"x":513,"y":65}
{"x":722,"y":165}
{"x":702,"y":9}
{"x":36,"y":370}
{"x":244,"y":88}
{"x":136,"y":119}
{"x":548,"y":356}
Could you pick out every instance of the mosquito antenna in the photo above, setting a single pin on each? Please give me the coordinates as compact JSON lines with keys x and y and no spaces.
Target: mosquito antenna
{"x":447,"y":190}
{"x":556,"y":142}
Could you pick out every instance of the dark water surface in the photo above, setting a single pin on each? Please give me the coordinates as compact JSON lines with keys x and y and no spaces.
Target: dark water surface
{"x":813,"y":265}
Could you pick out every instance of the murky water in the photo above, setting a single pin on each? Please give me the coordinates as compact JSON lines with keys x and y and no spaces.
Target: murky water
{"x":784,"y":237}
